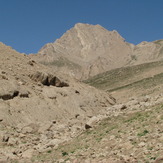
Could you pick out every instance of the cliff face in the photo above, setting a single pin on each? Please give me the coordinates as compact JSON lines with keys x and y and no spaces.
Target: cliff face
{"x":87,"y":50}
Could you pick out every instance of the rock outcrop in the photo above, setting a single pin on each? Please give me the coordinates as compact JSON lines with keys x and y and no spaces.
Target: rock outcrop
{"x":47,"y":79}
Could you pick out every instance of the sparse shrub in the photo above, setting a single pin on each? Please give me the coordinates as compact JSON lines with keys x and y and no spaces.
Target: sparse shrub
{"x":64,"y":153}
{"x":143,"y":133}
{"x":49,"y":151}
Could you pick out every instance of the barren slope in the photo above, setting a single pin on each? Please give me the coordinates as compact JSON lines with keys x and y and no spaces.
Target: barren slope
{"x":127,"y":82}
{"x":33,"y":98}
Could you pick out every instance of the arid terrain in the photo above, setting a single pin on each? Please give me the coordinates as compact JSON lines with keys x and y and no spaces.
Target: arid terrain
{"x":89,"y":97}
{"x":34,"y":98}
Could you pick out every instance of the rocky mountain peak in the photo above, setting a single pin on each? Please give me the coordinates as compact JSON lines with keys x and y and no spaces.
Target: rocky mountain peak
{"x":82,"y":46}
{"x":87,"y":50}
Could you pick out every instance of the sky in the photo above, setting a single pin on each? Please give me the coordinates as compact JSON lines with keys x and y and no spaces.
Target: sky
{"x":27,"y":25}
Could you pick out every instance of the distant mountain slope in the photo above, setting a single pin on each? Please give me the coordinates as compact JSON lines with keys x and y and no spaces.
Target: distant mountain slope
{"x":137,"y":80}
{"x":87,"y":50}
{"x":147,"y":52}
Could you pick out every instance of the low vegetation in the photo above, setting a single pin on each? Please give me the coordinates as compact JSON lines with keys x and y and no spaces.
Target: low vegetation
{"x":127,"y":77}
{"x":121,"y":137}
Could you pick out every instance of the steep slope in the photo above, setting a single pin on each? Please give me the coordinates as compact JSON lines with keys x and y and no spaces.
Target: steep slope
{"x":87,"y":50}
{"x":34,"y":98}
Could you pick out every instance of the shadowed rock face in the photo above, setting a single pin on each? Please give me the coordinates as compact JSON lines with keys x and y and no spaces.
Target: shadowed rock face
{"x":48,"y":79}
{"x":87,"y":50}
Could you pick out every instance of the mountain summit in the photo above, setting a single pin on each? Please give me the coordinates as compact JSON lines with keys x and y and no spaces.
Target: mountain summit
{"x":86,"y":50}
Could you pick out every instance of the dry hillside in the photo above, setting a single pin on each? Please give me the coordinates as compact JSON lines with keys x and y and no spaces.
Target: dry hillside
{"x":34,"y":98}
{"x":132,"y":81}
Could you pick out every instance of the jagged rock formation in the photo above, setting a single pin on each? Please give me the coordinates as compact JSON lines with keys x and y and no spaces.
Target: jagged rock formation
{"x":87,"y":50}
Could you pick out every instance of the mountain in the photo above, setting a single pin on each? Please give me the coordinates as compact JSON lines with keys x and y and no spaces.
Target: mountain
{"x":87,"y":50}
{"x":34,"y":99}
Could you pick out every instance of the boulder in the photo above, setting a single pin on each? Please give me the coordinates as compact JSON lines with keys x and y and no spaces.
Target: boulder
{"x":92,"y":121}
{"x":8,"y":89}
{"x":27,"y":129}
{"x":12,"y":142}
{"x":28,"y":153}
{"x":5,"y":138}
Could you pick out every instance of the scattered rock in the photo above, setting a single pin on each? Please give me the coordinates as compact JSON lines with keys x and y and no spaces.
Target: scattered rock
{"x":23,"y":93}
{"x":31,"y":62}
{"x":5,"y":138}
{"x":12,"y":142}
{"x":28,"y":153}
{"x":27,"y":129}
{"x":92,"y":121}
{"x":142,"y":144}
{"x":9,"y":90}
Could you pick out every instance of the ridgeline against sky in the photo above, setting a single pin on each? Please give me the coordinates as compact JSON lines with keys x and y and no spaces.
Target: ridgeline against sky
{"x":28,"y":25}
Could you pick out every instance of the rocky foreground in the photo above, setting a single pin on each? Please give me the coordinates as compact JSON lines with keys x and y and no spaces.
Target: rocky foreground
{"x":130,"y":132}
{"x":124,"y":133}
